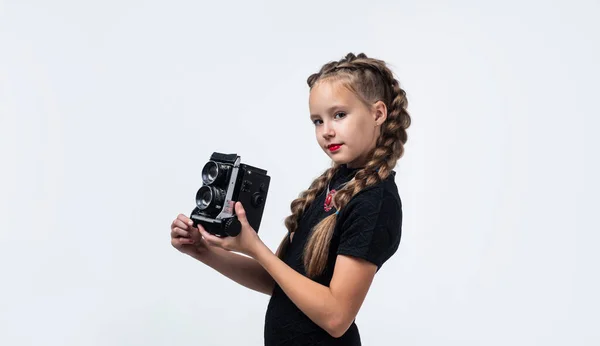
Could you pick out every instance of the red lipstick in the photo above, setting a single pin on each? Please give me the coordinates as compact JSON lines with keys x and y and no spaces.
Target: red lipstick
{"x":334,"y":147}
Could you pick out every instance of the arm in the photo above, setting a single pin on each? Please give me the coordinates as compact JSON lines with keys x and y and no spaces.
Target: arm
{"x":241,"y":269}
{"x":332,"y":308}
{"x":244,"y":270}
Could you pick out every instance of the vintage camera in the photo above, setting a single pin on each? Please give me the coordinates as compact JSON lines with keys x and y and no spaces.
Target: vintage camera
{"x":225,"y":180}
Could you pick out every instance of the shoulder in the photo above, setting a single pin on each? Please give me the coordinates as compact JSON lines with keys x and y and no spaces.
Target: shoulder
{"x":370,"y":226}
{"x":383,"y":196}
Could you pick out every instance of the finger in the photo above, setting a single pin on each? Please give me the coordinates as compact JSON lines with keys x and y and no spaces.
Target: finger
{"x":180,"y":224}
{"x":198,"y":227}
{"x":209,"y":238}
{"x":241,"y":213}
{"x":177,"y":232}
{"x":186,"y":220}
{"x":178,"y":242}
{"x":194,"y":233}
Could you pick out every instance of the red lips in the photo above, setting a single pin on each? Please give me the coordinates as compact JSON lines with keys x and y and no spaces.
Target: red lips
{"x":334,"y":147}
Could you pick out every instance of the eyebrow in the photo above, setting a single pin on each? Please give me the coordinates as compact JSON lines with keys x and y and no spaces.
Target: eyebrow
{"x":329,"y":110}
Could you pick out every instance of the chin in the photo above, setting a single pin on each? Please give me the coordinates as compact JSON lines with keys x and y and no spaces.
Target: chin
{"x":341,"y":158}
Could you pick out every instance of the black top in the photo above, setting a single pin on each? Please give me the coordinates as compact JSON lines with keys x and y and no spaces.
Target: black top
{"x":369,"y":227}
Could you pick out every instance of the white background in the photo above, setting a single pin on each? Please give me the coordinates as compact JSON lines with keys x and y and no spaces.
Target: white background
{"x":110,"y":109}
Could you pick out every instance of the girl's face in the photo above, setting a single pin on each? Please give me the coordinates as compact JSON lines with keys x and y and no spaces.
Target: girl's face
{"x":346,"y":128}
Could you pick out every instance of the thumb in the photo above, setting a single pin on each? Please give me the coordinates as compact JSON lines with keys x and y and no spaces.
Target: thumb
{"x":241,"y":213}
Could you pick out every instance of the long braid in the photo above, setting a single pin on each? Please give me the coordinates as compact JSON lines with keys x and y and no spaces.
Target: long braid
{"x":299,"y":205}
{"x":371,"y":80}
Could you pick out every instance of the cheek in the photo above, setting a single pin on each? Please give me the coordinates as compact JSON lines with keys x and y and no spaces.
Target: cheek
{"x":358,"y":132}
{"x":361,"y":135}
{"x":318,"y":135}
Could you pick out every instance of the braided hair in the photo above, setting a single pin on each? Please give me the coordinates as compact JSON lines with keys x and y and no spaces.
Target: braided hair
{"x":371,"y":81}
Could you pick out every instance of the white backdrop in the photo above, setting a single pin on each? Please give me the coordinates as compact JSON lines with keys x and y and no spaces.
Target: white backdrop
{"x":110,"y":109}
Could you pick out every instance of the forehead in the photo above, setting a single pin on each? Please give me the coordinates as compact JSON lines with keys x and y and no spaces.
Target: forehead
{"x":329,"y":92}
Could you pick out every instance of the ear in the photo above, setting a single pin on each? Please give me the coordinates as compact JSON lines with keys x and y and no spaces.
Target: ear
{"x":379,"y":112}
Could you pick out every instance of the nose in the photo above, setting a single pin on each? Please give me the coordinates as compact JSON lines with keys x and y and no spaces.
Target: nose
{"x":328,"y":131}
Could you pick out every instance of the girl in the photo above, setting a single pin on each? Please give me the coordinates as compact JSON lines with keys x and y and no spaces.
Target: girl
{"x":342,"y":229}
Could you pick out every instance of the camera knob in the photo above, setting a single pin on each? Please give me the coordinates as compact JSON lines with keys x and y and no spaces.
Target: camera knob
{"x":233,"y":227}
{"x":263,"y":188}
{"x":257,"y":200}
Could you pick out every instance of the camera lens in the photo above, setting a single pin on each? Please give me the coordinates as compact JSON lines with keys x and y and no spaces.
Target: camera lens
{"x":210,"y":172}
{"x":210,"y":198}
{"x":204,"y":197}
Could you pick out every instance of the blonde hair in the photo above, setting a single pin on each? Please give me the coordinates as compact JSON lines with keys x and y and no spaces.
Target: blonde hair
{"x":371,"y":81}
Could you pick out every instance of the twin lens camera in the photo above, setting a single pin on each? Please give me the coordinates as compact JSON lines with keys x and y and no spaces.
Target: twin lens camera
{"x":226,"y":180}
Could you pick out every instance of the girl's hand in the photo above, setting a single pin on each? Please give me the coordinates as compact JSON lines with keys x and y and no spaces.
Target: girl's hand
{"x":246,"y":242}
{"x":185,"y":237}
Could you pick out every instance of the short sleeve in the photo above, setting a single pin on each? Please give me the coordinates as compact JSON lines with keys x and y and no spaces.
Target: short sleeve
{"x":371,"y":226}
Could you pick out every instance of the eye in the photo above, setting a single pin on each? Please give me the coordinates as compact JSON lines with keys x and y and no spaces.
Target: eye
{"x":317,"y":121}
{"x":341,"y":115}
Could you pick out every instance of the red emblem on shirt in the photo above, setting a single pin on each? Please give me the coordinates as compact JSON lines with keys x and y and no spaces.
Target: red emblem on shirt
{"x":328,"y":199}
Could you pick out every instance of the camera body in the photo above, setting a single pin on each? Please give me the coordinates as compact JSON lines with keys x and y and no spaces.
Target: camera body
{"x":225,"y":180}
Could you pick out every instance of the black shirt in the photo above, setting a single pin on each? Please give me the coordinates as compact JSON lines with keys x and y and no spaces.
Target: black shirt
{"x":368,"y":227}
